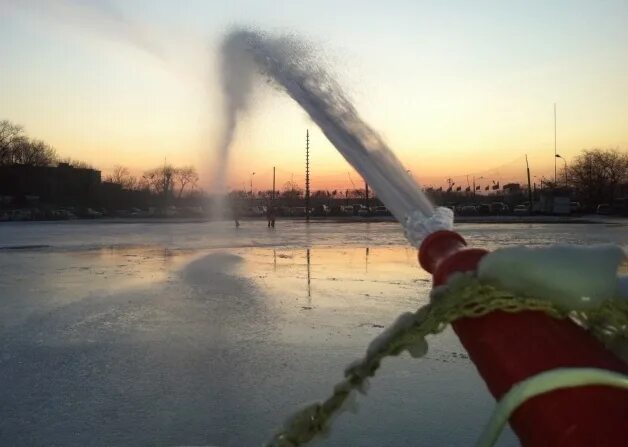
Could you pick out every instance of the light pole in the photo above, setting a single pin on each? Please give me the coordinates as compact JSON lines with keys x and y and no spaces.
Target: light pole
{"x":555,"y":153}
{"x":564,"y":161}
{"x":252,"y":174}
{"x":530,"y":197}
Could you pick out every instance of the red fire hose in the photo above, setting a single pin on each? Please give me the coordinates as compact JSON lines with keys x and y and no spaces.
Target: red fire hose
{"x":507,"y":348}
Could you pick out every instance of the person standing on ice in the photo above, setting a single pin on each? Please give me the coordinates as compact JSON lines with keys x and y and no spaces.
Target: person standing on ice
{"x":270,"y":215}
{"x":236,"y":214}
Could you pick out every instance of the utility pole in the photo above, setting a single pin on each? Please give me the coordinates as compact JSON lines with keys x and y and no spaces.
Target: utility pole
{"x":565,"y":168}
{"x":307,"y":175}
{"x":529,"y":186}
{"x":366,"y":194}
{"x":555,"y":180}
{"x":273,"y":193}
{"x":166,"y":182}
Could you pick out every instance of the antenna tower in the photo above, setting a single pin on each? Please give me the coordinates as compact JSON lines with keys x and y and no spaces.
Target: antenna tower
{"x":307,"y":175}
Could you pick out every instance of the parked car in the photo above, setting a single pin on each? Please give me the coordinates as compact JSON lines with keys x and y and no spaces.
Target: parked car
{"x":136,"y":212}
{"x":620,"y":206}
{"x":575,"y":207}
{"x":498,"y":208}
{"x":60,"y":214}
{"x":257,"y":211}
{"x":335,"y":210}
{"x":604,"y":208}
{"x":521,"y":210}
{"x":347,"y":210}
{"x":468,"y":210}
{"x":283,"y":211}
{"x":21,"y":214}
{"x":320,"y":210}
{"x":484,"y":209}
{"x":91,"y":213}
{"x":361,"y":210}
{"x":380,"y":211}
{"x":297,"y":211}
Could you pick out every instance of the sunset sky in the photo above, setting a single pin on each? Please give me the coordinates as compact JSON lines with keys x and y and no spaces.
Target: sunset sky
{"x":454,"y":87}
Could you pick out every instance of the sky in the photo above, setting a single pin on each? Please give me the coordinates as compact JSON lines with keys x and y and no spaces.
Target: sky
{"x":457,"y":89}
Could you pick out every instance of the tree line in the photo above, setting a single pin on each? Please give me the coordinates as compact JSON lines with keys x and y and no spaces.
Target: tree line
{"x":594,"y":175}
{"x":167,"y":181}
{"x":18,"y":149}
{"x":291,"y":190}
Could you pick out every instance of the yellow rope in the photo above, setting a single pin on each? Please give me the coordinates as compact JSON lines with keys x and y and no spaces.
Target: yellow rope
{"x":541,"y":383}
{"x":464,"y":296}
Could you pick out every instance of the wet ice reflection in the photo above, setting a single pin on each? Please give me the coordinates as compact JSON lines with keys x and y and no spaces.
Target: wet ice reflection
{"x":173,"y":335}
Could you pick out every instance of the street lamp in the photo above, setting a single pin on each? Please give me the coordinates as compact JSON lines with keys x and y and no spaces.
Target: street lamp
{"x":252,"y":174}
{"x":564,"y":161}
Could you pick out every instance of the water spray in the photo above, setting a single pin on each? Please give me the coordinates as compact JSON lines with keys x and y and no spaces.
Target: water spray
{"x":287,"y":62}
{"x":510,"y":343}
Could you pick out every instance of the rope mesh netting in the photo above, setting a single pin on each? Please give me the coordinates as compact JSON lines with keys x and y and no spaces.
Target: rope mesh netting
{"x":463,"y":296}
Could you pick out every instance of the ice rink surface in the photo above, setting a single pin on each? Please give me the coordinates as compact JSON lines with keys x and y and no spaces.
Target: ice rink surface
{"x":201,"y":334}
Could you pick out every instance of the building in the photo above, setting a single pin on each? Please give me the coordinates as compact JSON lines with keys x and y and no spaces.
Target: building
{"x":511,"y":189}
{"x":58,"y":185}
{"x":553,"y":201}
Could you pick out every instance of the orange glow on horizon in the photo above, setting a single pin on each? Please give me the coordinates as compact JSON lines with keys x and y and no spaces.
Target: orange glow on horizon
{"x":451,"y":101}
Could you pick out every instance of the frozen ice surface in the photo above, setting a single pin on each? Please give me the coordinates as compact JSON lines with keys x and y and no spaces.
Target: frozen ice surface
{"x":200,"y":334}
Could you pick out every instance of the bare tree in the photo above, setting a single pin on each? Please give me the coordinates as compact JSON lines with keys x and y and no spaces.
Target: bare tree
{"x":142,"y":184}
{"x":18,"y":151}
{"x":239,"y":194}
{"x":185,"y":176}
{"x":16,"y":148}
{"x":267,"y":194}
{"x":10,"y":135}
{"x":291,"y":191}
{"x":160,"y":180}
{"x":596,"y":173}
{"x":34,"y":153}
{"x":121,"y":176}
{"x":356,"y":193}
{"x":321,"y":194}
